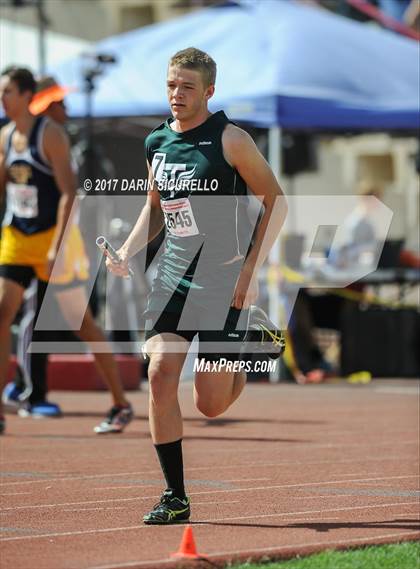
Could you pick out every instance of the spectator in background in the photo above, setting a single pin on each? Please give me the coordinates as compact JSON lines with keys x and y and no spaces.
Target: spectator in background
{"x":360,"y":244}
{"x":324,"y":310}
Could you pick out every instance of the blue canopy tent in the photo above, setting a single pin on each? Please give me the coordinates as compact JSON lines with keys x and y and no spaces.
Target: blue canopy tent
{"x":279,"y":63}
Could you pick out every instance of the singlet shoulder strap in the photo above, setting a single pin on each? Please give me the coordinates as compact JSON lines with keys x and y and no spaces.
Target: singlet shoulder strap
{"x":8,"y":140}
{"x":33,"y":137}
{"x":36,"y":140}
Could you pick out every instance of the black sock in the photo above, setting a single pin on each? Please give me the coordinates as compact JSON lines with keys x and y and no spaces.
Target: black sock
{"x":170,"y":458}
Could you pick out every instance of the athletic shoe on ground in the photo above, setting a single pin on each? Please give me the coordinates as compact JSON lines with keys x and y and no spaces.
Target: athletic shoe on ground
{"x":40,"y":410}
{"x":169,"y":510}
{"x":11,"y":395}
{"x":116,"y":421}
{"x":2,"y":424}
{"x":269,"y":339}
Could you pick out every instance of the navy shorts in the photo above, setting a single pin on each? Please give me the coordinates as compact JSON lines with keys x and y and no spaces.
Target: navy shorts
{"x":23,"y":275}
{"x":233,"y":332}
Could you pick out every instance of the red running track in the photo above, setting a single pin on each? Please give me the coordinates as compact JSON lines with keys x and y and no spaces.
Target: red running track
{"x":288,"y":470}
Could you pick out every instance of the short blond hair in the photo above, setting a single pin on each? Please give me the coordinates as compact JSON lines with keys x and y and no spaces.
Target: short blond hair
{"x":193,"y":58}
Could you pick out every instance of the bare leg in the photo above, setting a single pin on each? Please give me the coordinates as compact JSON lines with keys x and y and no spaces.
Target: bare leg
{"x":166,"y":425}
{"x":214,"y":392}
{"x":239,"y":382}
{"x":164,"y":371}
{"x":11,"y":296}
{"x":71,"y":302}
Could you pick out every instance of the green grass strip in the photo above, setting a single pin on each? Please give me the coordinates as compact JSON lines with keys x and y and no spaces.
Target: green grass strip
{"x":394,"y":556}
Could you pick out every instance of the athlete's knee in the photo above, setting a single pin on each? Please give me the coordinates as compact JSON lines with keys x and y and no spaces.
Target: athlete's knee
{"x":163,"y":383}
{"x":210,"y":409}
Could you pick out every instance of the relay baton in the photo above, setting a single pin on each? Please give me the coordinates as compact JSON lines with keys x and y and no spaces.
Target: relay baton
{"x":109,"y":251}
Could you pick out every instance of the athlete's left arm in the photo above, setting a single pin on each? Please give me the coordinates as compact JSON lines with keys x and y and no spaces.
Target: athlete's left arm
{"x":242,"y":153}
{"x":57,"y":150}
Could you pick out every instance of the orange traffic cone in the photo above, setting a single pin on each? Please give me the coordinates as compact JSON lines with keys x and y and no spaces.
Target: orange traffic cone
{"x":187,"y":549}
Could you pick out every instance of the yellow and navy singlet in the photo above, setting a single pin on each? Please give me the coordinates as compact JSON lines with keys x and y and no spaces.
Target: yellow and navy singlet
{"x":31,"y":211}
{"x":32,"y":194}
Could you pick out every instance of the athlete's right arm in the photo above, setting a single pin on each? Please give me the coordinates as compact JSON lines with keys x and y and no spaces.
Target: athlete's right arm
{"x":148,"y":225}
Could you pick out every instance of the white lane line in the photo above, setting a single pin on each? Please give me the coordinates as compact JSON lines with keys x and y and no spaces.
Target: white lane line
{"x":135,"y":486}
{"x":387,"y":485}
{"x":231,"y":490}
{"x":71,"y":533}
{"x":217,"y":503}
{"x":274,"y":549}
{"x":81,"y":477}
{"x":311,"y":519}
{"x":123,"y":507}
{"x":317,"y":496}
{"x":95,"y":509}
{"x":15,"y":493}
{"x":244,"y":480}
{"x":348,"y":508}
{"x":132,"y":486}
{"x":248,"y":465}
{"x":212,"y":521}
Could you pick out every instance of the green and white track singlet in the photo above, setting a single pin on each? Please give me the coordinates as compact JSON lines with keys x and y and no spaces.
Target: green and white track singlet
{"x":204,"y":202}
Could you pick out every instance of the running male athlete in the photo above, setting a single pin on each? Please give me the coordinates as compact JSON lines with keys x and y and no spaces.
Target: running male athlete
{"x":35,"y":169}
{"x":197,"y":150}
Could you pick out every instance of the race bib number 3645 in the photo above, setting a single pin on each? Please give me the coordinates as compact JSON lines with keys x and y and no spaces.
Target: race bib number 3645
{"x":179,"y":217}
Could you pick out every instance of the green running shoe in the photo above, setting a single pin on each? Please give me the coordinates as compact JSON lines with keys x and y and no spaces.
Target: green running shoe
{"x":268,"y":337}
{"x":169,"y":510}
